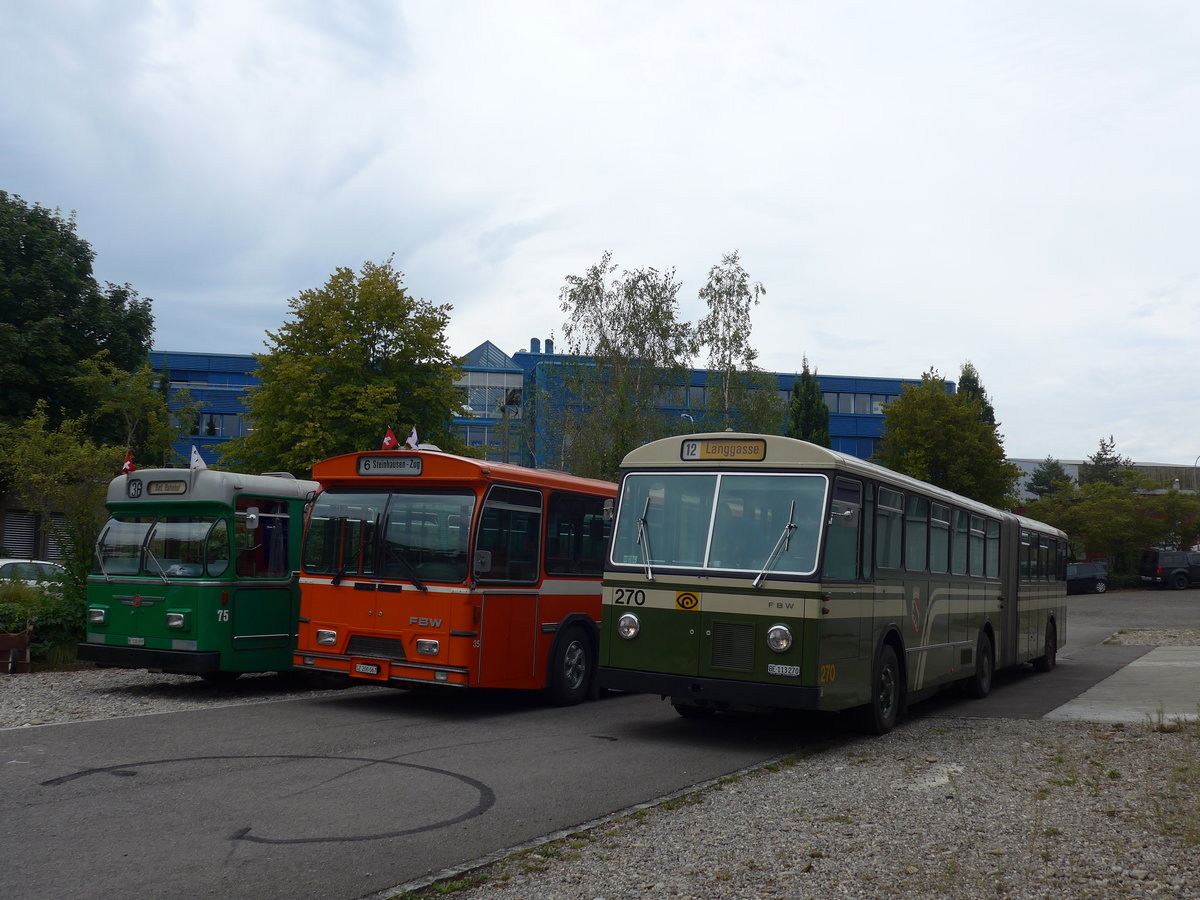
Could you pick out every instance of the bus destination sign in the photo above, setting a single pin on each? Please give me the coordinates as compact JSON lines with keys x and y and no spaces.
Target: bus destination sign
{"x":389,"y":465}
{"x":740,"y":449}
{"x":158,"y":488}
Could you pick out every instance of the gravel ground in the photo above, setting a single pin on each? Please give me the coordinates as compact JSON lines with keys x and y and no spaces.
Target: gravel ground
{"x":962,"y":808}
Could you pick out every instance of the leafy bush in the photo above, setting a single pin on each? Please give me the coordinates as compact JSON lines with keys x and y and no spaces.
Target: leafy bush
{"x":58,"y":621}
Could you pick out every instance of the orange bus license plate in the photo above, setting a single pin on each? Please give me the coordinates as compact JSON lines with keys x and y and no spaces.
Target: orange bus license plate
{"x":362,"y":668}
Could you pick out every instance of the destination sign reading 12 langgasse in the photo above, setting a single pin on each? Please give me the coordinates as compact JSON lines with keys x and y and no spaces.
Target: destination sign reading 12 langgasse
{"x":389,"y":465}
{"x":744,"y":449}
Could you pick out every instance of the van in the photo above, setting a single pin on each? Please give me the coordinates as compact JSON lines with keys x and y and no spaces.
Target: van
{"x":1170,"y":568}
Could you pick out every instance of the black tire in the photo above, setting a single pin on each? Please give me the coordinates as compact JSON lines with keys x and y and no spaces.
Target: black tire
{"x":979,"y":684}
{"x":1050,"y":660}
{"x":887,"y":693}
{"x":572,"y":665}
{"x":1180,"y":581}
{"x":691,"y":711}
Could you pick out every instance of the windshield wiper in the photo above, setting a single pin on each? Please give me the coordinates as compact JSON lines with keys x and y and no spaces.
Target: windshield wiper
{"x":100,"y":560}
{"x":785,"y":541}
{"x":643,"y":539}
{"x":399,"y":557}
{"x":157,"y":565}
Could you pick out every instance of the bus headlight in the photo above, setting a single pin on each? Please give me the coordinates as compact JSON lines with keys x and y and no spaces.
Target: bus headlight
{"x":96,"y":616}
{"x":326,"y":636}
{"x":779,"y":638}
{"x":628,"y":626}
{"x":175,"y":620}
{"x":427,"y":647}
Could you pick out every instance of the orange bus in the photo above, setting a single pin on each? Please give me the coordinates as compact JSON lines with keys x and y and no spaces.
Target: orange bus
{"x":422,"y":567}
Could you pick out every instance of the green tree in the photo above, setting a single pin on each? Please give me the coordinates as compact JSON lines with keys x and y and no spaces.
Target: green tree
{"x":56,"y":470}
{"x":358,"y":356}
{"x":808,"y":413}
{"x":969,"y":385}
{"x":1106,"y":465}
{"x":725,"y":330}
{"x":128,"y":409}
{"x":629,"y":354}
{"x":1103,"y":519}
{"x":940,"y":437}
{"x":1048,"y":477}
{"x":53,"y":313}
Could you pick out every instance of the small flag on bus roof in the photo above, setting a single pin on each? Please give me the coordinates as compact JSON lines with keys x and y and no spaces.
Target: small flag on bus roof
{"x":197,"y":460}
{"x":128,"y":465}
{"x":389,"y":441}
{"x":412,"y":438}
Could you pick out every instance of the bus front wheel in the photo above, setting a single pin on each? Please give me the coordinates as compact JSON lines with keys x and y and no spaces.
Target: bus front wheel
{"x":887,"y":693}
{"x":571,"y":667}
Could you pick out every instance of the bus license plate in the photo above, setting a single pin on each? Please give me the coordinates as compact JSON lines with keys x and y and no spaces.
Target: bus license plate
{"x":789,"y":671}
{"x":369,"y":669}
{"x":136,"y":641}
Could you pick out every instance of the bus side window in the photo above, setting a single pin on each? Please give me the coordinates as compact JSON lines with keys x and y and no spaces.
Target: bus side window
{"x":510,"y":531}
{"x":842,"y":533}
{"x":576,"y":535}
{"x":261,"y":542}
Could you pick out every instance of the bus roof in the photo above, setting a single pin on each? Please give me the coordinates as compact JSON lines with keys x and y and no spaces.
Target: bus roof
{"x":197,"y":485}
{"x":771,"y":452}
{"x":429,"y":465}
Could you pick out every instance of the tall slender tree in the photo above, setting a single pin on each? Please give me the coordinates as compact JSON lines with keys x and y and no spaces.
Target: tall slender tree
{"x":628,"y":356}
{"x":969,"y":385}
{"x":808,"y":413}
{"x":725,"y":330}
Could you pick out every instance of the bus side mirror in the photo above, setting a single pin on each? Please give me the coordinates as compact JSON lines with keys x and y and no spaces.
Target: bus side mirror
{"x":483,"y":562}
{"x":252,"y":518}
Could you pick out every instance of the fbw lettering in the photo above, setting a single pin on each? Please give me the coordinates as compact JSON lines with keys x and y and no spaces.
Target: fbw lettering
{"x":422,"y":622}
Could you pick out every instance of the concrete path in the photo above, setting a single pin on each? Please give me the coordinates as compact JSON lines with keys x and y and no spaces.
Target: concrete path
{"x":1164,"y":684}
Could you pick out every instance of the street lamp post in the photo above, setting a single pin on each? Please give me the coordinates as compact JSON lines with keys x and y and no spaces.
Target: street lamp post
{"x":690,"y":419}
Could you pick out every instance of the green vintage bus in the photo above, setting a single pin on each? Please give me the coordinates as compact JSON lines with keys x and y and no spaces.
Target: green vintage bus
{"x":195,"y":573}
{"x":754,"y":570}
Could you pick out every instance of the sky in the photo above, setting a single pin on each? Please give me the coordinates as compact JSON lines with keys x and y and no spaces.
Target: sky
{"x":915,"y":184}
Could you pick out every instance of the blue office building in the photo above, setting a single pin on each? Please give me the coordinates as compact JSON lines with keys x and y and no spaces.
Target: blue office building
{"x":506,"y":401}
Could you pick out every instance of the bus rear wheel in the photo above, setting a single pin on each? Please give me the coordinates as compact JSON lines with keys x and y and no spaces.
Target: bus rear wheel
{"x":571,"y":666}
{"x":1050,"y":660}
{"x":979,"y":685}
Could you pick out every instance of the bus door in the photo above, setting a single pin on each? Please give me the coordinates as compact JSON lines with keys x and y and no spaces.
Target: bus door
{"x":263,"y":608}
{"x":508,"y":568}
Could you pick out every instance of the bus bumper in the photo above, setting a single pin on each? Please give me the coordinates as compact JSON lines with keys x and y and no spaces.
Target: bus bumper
{"x":709,"y":691}
{"x":176,"y":662}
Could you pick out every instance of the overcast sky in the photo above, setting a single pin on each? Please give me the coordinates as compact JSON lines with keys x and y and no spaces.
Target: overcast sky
{"x":915,"y":184}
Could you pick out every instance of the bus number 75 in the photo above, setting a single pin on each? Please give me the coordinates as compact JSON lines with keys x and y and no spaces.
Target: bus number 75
{"x":629,"y":597}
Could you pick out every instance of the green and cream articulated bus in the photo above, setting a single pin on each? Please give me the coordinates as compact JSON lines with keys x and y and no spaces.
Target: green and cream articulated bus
{"x":761,"y":571}
{"x":195,"y":573}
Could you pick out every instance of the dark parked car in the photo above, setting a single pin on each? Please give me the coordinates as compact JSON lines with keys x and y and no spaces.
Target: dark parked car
{"x":1170,"y":568}
{"x":1087,"y":578}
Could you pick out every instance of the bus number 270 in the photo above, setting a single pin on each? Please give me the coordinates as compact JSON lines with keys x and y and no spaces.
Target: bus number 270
{"x":629,"y":597}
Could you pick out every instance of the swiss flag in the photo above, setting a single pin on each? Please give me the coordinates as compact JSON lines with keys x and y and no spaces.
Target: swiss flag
{"x":128,"y":465}
{"x":389,"y":441}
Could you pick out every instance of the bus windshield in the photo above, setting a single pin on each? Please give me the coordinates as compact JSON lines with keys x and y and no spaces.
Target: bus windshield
{"x":407,"y":535}
{"x":168,"y":547}
{"x":750,"y":523}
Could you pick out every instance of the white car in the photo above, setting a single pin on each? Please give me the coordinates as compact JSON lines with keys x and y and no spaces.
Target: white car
{"x":36,"y":572}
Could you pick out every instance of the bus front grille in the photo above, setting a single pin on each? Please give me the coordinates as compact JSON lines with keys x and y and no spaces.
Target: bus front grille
{"x":732,"y":646}
{"x":379,"y":647}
